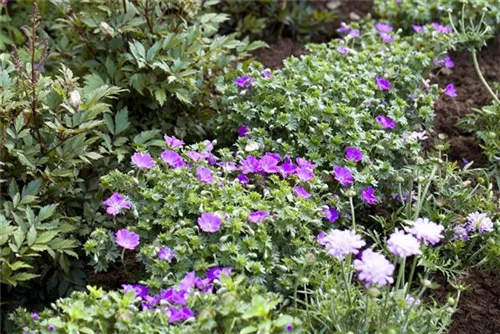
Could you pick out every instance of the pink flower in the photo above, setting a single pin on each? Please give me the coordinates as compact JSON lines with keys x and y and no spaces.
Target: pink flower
{"x":374,"y":269}
{"x":172,"y":141}
{"x":204,"y":175}
{"x":450,"y":90}
{"x":126,"y":239}
{"x":382,"y":83}
{"x":142,"y":160}
{"x":343,"y":175}
{"x":368,"y":195}
{"x":385,"y":122}
{"x":209,"y":222}
{"x":115,"y":203}
{"x":301,"y":192}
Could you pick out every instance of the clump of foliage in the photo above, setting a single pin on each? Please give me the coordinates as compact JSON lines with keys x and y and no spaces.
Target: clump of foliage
{"x":167,"y":54}
{"x":263,"y":18}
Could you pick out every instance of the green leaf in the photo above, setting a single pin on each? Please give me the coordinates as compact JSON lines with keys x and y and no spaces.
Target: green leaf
{"x":161,"y":96}
{"x":248,"y":329}
{"x":31,"y":236}
{"x":23,"y":277}
{"x":46,"y":212}
{"x":45,"y":237}
{"x":121,"y":121}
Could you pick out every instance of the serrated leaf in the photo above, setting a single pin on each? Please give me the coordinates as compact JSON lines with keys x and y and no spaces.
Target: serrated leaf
{"x":121,"y":121}
{"x":31,"y":236}
{"x":46,"y":212}
{"x":161,"y":96}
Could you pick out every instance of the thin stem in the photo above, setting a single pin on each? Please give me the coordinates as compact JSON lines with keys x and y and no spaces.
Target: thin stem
{"x":411,"y":308}
{"x":480,"y":75}
{"x":401,"y":274}
{"x":352,"y":214}
{"x":412,"y":272}
{"x":124,"y":6}
{"x":146,"y":14}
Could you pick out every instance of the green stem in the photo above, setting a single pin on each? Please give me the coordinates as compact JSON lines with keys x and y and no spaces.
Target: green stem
{"x":411,"y":308}
{"x":401,"y":274}
{"x":352,"y":214}
{"x":412,"y":272}
{"x":480,"y":75}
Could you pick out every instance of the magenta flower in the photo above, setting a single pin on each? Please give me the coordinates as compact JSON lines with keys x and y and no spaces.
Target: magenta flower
{"x":267,"y":74}
{"x":172,"y":159}
{"x":386,"y":38}
{"x":343,"y":50}
{"x":288,"y":168}
{"x":383,"y":27}
{"x":402,"y":244}
{"x":442,"y":29}
{"x":214,"y":273}
{"x":250,"y":165}
{"x":195,"y":156}
{"x":301,"y":192}
{"x":269,"y":163}
{"x":243,"y":130}
{"x":368,"y":195}
{"x":305,"y":174}
{"x":209,"y":222}
{"x":244,"y":81}
{"x":353,"y":154}
{"x":257,"y":216}
{"x":205,"y":175}
{"x":418,"y":29}
{"x":374,"y":269}
{"x":305,"y":163}
{"x":382,"y":83}
{"x":343,"y":175}
{"x":447,"y":62}
{"x":426,"y":231}
{"x":243,"y":179}
{"x":141,"y":291}
{"x":341,"y":243}
{"x":450,"y":91}
{"x":172,"y":141}
{"x":142,"y":160}
{"x":479,"y":222}
{"x":385,"y":122}
{"x":166,"y":254}
{"x":179,"y":314}
{"x":188,"y":282}
{"x":115,"y":203}
{"x":174,"y":296}
{"x":126,"y":239}
{"x":331,"y":214}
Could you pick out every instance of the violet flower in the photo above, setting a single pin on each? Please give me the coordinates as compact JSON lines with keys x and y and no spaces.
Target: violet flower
{"x":166,"y":254}
{"x":177,"y":315}
{"x":341,"y":243}
{"x":195,"y":156}
{"x":460,"y":232}
{"x":172,"y":141}
{"x":368,"y":195}
{"x":244,"y":81}
{"x":418,"y":29}
{"x":343,"y":50}
{"x":141,"y":291}
{"x":301,"y":192}
{"x":115,"y":203}
{"x":479,"y":222}
{"x":126,"y":239}
{"x":343,"y":175}
{"x":250,"y":165}
{"x":214,"y":273}
{"x":374,"y":269}
{"x":450,"y":90}
{"x":142,"y":160}
{"x":305,"y":163}
{"x":386,"y":38}
{"x":385,"y":122}
{"x":205,"y":175}
{"x":442,"y":29}
{"x":209,"y":222}
{"x":383,"y":27}
{"x":288,"y":168}
{"x":426,"y":231}
{"x":331,"y":214}
{"x":382,"y":83}
{"x":257,"y":216}
{"x":402,"y":244}
{"x":353,"y":154}
{"x":267,"y":74}
{"x":243,"y":130}
{"x":269,"y":163}
{"x":173,"y":159}
{"x":305,"y":174}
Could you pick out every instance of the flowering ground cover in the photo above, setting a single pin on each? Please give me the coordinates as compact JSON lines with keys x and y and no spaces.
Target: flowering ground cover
{"x":174,"y":185}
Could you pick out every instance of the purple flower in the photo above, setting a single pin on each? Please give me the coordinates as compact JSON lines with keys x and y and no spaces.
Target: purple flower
{"x":288,"y":168}
{"x":305,"y":174}
{"x":289,"y":327}
{"x":258,"y":216}
{"x":409,"y":300}
{"x":383,"y":27}
{"x":354,"y":33}
{"x":301,"y":192}
{"x":244,"y":81}
{"x":188,"y":282}
{"x":267,"y":74}
{"x":172,"y":159}
{"x":368,"y":195}
{"x":269,"y":163}
{"x":344,"y":28}
{"x":415,"y":135}
{"x":343,"y":50}
{"x":228,"y":166}
{"x":166,"y":254}
{"x":250,"y":165}
{"x":174,"y":296}
{"x":177,"y":315}
{"x":460,"y":232}
{"x":385,"y":122}
{"x":209,"y":222}
{"x":374,"y":269}
{"x":243,"y":130}
{"x":331,"y":214}
{"x":205,"y":175}
{"x":305,"y":163}
{"x":386,"y":38}
{"x":243,"y":179}
{"x":214,"y":273}
{"x":353,"y":154}
{"x":126,"y":239}
{"x":465,"y":161}
{"x":35,"y":316}
{"x":450,"y":90}
{"x":343,"y":175}
{"x":479,"y":222}
{"x":195,"y":156}
{"x":115,"y":203}
{"x":382,"y":83}
{"x":418,"y":29}
{"x":426,"y":231}
{"x":341,"y":243}
{"x":142,"y":160}
{"x":141,"y":291}
{"x":51,"y":328}
{"x":172,"y":141}
{"x":441,"y":29}
{"x":446,"y":62}
{"x":402,"y":244}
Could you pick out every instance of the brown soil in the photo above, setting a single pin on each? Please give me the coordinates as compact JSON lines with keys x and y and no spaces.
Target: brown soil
{"x":479,"y":306}
{"x":283,"y":48}
{"x":471,"y":94}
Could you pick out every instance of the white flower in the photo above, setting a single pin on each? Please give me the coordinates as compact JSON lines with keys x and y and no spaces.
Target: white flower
{"x":74,"y":99}
{"x":425,"y":230}
{"x":403,"y":245}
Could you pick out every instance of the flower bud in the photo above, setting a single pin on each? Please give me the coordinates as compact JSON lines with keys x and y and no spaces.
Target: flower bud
{"x":310,"y":257}
{"x":373,"y":292}
{"x":451,"y":301}
{"x":74,"y":99}
{"x":399,"y":179}
{"x":106,"y":29}
{"x":350,"y":193}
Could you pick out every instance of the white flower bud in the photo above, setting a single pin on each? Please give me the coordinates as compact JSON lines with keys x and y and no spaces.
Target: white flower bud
{"x":74,"y":99}
{"x":106,"y":29}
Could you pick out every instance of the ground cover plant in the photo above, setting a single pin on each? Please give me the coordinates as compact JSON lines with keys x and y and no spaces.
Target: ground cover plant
{"x":140,"y":143}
